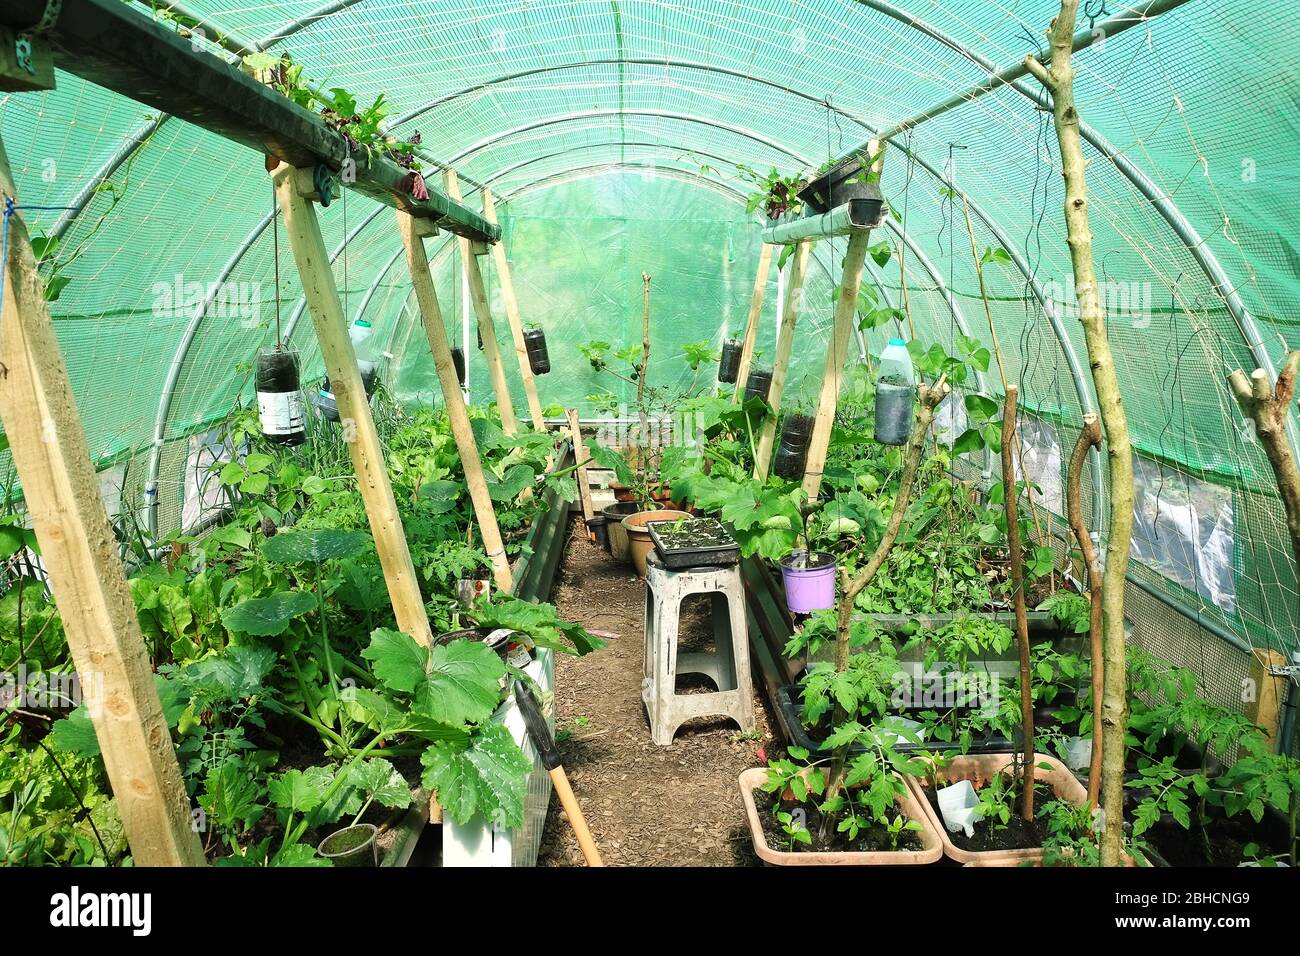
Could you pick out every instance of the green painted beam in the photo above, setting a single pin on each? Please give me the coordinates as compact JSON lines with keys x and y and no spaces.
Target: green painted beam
{"x":113,"y":45}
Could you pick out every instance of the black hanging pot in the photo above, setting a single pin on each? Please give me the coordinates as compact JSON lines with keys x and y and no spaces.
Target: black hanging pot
{"x":539,"y":360}
{"x":280,"y":408}
{"x":759,"y":384}
{"x":458,"y":360}
{"x":842,"y":183}
{"x":792,"y":452}
{"x":729,"y":363}
{"x":480,"y":339}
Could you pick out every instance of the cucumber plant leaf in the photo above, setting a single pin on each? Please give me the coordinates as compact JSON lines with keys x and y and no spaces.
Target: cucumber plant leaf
{"x":463,"y":685}
{"x":490,"y":777}
{"x":397,"y":659}
{"x":267,"y":616}
{"x":316,"y":545}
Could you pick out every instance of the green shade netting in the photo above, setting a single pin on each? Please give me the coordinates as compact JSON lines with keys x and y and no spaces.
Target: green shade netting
{"x":611,"y":132}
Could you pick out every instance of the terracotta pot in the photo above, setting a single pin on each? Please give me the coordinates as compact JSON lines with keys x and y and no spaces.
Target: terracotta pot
{"x":979,"y":769}
{"x":752,"y":779}
{"x":639,"y":543}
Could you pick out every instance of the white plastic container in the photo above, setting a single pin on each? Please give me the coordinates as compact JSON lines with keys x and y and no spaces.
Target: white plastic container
{"x":895,"y":394}
{"x":959,"y":806}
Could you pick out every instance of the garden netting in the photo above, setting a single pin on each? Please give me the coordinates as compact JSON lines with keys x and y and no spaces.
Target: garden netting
{"x":611,"y":133}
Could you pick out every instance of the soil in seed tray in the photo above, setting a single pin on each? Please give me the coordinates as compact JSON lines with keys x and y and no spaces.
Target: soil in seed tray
{"x":1018,"y":834}
{"x":646,"y":805}
{"x":874,"y":839}
{"x":690,"y":535}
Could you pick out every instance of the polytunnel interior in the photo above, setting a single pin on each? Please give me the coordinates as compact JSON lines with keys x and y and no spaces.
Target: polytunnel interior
{"x":612,"y":135}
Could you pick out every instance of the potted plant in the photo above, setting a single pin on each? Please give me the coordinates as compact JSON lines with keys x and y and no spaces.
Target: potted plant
{"x":729,"y":362}
{"x":998,"y":834}
{"x":694,"y":543}
{"x":875,"y":820}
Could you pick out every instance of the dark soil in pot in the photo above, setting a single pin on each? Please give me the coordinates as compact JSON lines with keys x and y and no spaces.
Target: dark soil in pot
{"x":1018,"y":834}
{"x":458,"y":360}
{"x":1223,"y":843}
{"x":759,"y":384}
{"x":539,"y":359}
{"x":874,"y":839}
{"x":792,"y":452}
{"x":729,"y":362}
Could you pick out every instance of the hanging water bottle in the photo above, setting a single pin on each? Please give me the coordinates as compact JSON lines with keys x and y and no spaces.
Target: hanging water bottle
{"x":279,"y":401}
{"x":367,"y":365}
{"x":895,"y":393}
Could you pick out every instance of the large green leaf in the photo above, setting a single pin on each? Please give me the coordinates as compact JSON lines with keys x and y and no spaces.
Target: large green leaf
{"x":397,"y":659}
{"x":463,"y":685}
{"x":300,"y":791}
{"x":267,"y":616}
{"x":516,"y":479}
{"x":490,"y":778}
{"x":316,"y":545}
{"x":541,"y":622}
{"x":612,"y":460}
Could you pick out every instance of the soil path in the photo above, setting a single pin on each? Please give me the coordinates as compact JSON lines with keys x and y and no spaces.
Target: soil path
{"x":646,"y":805}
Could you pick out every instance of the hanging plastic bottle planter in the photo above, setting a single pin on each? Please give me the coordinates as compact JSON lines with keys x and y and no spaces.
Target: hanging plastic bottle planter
{"x":280,"y":406}
{"x":792,"y":452}
{"x":759,"y":384}
{"x":458,"y":360}
{"x":539,"y":360}
{"x":729,"y":363}
{"x":895,"y":394}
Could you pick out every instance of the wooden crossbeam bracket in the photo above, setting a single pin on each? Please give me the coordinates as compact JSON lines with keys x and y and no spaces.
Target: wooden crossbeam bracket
{"x":303,"y":229}
{"x":511,"y":303}
{"x":61,"y":492}
{"x":483,"y":311}
{"x":116,"y":46}
{"x":781,"y":362}
{"x":426,"y":296}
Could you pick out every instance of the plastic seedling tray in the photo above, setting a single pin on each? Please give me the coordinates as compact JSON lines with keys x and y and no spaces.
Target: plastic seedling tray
{"x":694,"y":543}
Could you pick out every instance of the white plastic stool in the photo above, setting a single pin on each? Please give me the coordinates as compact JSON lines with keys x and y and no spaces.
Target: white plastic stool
{"x":728,"y":668}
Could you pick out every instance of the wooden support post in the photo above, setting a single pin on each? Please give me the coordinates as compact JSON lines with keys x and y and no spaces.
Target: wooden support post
{"x":512,"y":314}
{"x":86,"y":576}
{"x":413,"y":232}
{"x":580,"y":456}
{"x":751,"y":324}
{"x":483,"y":311}
{"x":294,"y":189}
{"x":781,"y":364}
{"x":846,"y":313}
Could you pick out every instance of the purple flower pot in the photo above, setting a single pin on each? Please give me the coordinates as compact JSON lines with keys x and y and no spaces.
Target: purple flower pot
{"x":809,"y":581}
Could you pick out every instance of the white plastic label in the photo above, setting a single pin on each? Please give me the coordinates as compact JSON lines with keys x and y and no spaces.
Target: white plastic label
{"x":281,"y":413}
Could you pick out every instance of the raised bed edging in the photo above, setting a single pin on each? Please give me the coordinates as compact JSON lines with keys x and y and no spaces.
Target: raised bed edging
{"x":533,"y":576}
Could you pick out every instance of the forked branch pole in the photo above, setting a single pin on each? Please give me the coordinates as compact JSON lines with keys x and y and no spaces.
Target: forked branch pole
{"x":1267,"y":405}
{"x":644,"y":364}
{"x":1058,"y":79}
{"x":1089,"y":438}
{"x":1016,"y":547}
{"x":931,"y":396}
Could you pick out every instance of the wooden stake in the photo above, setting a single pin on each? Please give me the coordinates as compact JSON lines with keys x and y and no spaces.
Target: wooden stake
{"x":453,"y":398}
{"x":781,"y":364}
{"x":1089,"y":438}
{"x":1265,"y":710}
{"x":89,"y":584}
{"x":1059,"y":81}
{"x":1016,"y":547}
{"x":512,"y":314}
{"x":292,"y":189}
{"x":846,"y":311}
{"x":483,"y":311}
{"x":751,"y":324}
{"x":580,"y":456}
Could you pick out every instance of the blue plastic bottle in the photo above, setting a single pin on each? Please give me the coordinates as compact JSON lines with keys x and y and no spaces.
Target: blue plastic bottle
{"x":895,"y":394}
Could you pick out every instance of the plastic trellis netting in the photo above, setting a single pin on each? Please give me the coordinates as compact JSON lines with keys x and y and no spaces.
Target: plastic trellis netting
{"x":610,"y":133}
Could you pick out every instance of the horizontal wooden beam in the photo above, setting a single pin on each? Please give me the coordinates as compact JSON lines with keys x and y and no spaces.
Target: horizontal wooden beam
{"x":115,"y":46}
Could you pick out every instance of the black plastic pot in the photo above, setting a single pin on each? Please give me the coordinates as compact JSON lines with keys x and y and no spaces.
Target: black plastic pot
{"x":789,"y":705}
{"x":479,"y":332}
{"x":842,"y":183}
{"x":729,"y":363}
{"x":458,"y":360}
{"x":894,"y":413}
{"x":351,"y":846}
{"x":759,"y":384}
{"x":280,"y":407}
{"x":714,"y":556}
{"x":598,"y":525}
{"x":792,"y":452}
{"x":539,"y":360}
